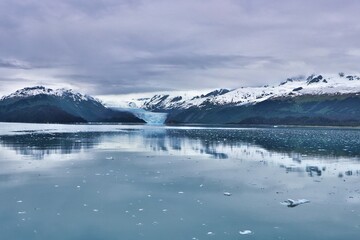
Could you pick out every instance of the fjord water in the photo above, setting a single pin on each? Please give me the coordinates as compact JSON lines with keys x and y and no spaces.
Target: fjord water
{"x":143,"y":182}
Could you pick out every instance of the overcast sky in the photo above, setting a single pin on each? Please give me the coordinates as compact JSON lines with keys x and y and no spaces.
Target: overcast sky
{"x":114,"y":46}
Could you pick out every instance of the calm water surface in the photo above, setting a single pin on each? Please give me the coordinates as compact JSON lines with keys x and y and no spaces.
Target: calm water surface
{"x":142,"y":182}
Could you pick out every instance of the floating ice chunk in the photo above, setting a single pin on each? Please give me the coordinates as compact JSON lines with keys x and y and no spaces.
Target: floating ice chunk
{"x":180,"y":192}
{"x":245,"y":232}
{"x":109,"y":158}
{"x":210,"y":233}
{"x":294,"y":203}
{"x":95,"y":210}
{"x":227,"y":194}
{"x":141,"y":209}
{"x":20,"y":201}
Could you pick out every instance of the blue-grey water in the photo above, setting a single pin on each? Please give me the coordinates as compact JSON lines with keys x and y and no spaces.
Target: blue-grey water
{"x":142,"y":182}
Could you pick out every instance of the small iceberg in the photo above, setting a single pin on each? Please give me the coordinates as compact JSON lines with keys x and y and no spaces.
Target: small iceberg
{"x":294,"y":203}
{"x":245,"y":232}
{"x":227,"y":194}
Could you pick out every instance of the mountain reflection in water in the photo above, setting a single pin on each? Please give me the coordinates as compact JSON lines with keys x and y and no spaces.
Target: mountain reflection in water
{"x":310,"y":150}
{"x":143,"y":182}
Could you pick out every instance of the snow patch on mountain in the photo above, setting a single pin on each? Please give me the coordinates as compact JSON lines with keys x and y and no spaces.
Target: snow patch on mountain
{"x":315,"y":84}
{"x":40,"y":90}
{"x":137,"y":100}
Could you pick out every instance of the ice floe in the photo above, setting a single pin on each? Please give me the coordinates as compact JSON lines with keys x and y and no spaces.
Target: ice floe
{"x":294,"y":203}
{"x":245,"y":232}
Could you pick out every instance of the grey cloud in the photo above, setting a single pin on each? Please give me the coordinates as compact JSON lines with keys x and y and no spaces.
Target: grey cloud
{"x":13,"y":63}
{"x":114,"y":46}
{"x":197,"y":61}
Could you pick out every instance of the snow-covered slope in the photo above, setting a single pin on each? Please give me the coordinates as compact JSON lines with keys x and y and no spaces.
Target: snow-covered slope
{"x":45,"y":105}
{"x":40,"y":90}
{"x":312,"y":85}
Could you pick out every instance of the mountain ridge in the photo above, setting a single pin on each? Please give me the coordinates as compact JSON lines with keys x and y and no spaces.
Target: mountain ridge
{"x":317,"y":99}
{"x":315,"y":84}
{"x":44,"y":105}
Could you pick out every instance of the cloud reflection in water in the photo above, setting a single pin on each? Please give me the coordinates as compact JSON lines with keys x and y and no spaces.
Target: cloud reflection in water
{"x":313,"y":151}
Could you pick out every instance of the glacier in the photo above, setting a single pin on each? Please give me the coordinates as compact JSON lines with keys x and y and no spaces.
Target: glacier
{"x":151,"y":118}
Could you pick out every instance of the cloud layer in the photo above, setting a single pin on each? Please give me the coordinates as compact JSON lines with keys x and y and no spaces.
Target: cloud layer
{"x":113,"y":46}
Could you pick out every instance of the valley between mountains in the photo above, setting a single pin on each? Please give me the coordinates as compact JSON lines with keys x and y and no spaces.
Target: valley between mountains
{"x":324,"y":100}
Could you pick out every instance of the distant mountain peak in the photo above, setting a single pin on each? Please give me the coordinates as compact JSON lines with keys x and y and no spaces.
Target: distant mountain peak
{"x":28,"y":91}
{"x":42,"y":105}
{"x":314,"y":84}
{"x":41,"y":90}
{"x":34,"y":88}
{"x":293,"y":79}
{"x":315,"y":79}
{"x":216,"y":93}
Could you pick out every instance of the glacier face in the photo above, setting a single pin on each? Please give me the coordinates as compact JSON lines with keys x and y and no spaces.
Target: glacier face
{"x":151,"y":118}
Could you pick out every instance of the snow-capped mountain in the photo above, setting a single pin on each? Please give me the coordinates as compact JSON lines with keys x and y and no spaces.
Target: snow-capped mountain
{"x":311,"y":85}
{"x":40,"y":104}
{"x":40,"y":90}
{"x":313,"y":100}
{"x":318,"y":99}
